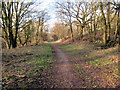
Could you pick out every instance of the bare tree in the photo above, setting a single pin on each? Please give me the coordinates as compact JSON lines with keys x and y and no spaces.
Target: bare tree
{"x":81,"y":12}
{"x":42,"y":18}
{"x":12,"y":19}
{"x":117,"y":31}
{"x":65,"y":11}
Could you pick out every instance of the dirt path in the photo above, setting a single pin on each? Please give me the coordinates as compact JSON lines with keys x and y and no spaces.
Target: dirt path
{"x":65,"y":75}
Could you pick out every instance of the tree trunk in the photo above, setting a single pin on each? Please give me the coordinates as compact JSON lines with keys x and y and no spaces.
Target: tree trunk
{"x":91,"y":30}
{"x":108,"y":20}
{"x":41,"y":33}
{"x":105,"y":24}
{"x":5,"y":33}
{"x":81,"y":32}
{"x":16,"y":26}
{"x":72,"y":36}
{"x":117,"y":32}
{"x":9,"y":19}
{"x":16,"y":34}
{"x":94,"y":34}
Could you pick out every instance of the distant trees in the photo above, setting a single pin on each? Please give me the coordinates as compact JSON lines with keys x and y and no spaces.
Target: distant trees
{"x":60,"y":30}
{"x":40,"y":24}
{"x":64,"y":9}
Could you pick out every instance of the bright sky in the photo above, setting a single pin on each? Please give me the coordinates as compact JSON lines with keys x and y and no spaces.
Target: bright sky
{"x":50,"y":6}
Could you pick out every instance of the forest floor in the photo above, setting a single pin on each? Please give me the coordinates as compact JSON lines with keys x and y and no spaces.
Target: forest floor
{"x":69,"y":65}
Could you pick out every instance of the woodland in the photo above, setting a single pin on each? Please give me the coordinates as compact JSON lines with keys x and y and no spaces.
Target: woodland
{"x":81,"y":50}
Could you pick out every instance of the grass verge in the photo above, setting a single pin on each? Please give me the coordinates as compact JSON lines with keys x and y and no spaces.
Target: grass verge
{"x":27,"y":67}
{"x":104,"y":61}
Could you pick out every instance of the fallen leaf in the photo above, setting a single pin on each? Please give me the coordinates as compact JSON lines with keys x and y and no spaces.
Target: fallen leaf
{"x":20,"y":75}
